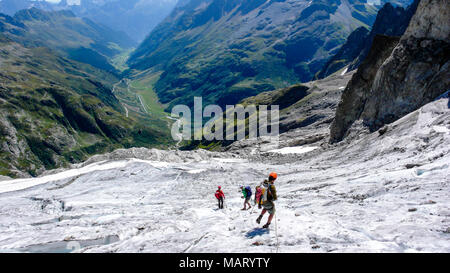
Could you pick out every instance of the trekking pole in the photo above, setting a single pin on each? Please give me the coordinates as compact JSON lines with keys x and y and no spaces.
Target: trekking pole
{"x":252,"y":209}
{"x":254,"y":205}
{"x":276,"y":232}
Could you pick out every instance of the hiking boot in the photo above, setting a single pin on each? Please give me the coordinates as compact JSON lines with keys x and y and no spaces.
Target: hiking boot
{"x":259,"y":219}
{"x":266,"y":225}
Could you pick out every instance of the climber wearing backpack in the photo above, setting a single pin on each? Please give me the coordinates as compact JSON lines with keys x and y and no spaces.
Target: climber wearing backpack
{"x":258,"y":193}
{"x":247,"y":193}
{"x":268,"y":196}
{"x":220,"y":197}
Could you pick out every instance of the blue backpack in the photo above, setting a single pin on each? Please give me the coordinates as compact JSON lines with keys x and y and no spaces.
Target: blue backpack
{"x":249,"y":191}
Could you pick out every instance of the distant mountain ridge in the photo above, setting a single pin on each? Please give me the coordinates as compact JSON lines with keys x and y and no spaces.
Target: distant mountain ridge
{"x":10,"y":7}
{"x":77,"y":38}
{"x":227,"y":50}
{"x":135,"y":17}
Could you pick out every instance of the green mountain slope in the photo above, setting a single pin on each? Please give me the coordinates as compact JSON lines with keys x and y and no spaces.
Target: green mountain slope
{"x":228,"y":50}
{"x":307,"y":107}
{"x":54,"y":111}
{"x":77,"y":38}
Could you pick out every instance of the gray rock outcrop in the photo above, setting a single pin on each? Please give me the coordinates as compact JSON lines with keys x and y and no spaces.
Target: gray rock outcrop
{"x":392,"y":83}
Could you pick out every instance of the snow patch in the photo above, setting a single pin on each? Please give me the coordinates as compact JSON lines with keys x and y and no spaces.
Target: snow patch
{"x":230,"y":160}
{"x":20,"y":184}
{"x":196,"y":171}
{"x":441,"y":129}
{"x":294,"y":150}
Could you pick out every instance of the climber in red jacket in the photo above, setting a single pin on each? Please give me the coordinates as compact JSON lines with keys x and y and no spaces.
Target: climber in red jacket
{"x":220,"y":197}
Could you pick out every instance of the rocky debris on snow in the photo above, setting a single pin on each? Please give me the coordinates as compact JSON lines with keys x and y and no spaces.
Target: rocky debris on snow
{"x":174,"y":156}
{"x":412,"y":165}
{"x":258,"y":243}
{"x":348,"y":197}
{"x":429,"y":202}
{"x":69,"y":238}
{"x":383,"y":130}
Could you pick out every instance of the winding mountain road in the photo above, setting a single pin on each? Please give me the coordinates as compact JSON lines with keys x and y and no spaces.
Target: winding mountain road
{"x":114,"y":92}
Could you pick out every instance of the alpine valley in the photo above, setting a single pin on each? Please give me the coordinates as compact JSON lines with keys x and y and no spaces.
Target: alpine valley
{"x":227,"y":50}
{"x":89,"y":160}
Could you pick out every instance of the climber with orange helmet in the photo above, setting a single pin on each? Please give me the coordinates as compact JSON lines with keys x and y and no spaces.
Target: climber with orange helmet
{"x":268,"y":196}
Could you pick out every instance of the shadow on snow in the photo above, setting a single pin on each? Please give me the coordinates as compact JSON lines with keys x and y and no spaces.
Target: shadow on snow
{"x":256,"y":232}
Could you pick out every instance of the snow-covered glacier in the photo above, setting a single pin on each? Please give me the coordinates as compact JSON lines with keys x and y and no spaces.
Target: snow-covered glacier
{"x":386,"y":191}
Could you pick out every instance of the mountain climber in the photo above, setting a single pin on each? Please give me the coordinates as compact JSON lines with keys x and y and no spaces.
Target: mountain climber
{"x":220,"y":197}
{"x":268,"y":196}
{"x":258,"y":192}
{"x":247,"y":193}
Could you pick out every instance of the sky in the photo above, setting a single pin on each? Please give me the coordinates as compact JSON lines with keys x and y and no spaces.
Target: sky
{"x":68,"y":1}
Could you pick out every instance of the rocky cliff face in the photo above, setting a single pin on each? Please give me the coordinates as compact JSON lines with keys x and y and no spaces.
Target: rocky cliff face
{"x":391,"y":21}
{"x":389,"y":85}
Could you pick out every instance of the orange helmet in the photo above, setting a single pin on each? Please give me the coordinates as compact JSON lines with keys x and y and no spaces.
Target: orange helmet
{"x":274,"y":176}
